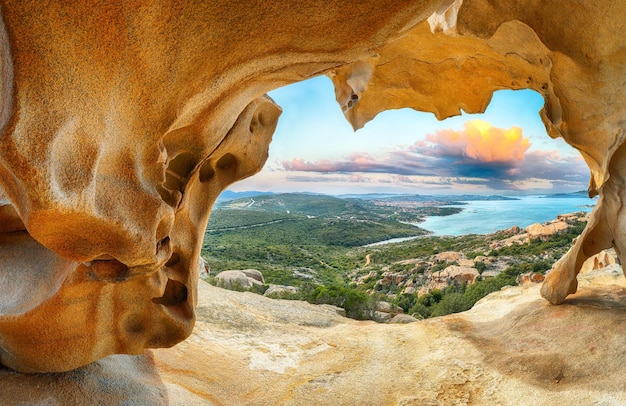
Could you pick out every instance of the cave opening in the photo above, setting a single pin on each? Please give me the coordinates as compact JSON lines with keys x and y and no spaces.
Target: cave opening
{"x":487,"y":172}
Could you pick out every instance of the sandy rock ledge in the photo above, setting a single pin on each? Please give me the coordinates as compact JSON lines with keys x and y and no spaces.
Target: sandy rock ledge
{"x":512,"y":348}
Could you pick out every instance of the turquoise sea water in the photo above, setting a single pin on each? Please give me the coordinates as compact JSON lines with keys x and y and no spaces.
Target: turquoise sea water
{"x":484,"y":217}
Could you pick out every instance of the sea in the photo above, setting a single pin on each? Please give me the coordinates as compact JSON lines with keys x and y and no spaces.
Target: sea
{"x":488,"y":216}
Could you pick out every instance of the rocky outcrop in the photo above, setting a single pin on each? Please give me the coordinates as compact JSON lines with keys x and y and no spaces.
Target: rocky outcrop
{"x":277,"y":290}
{"x":510,"y":344}
{"x":530,"y":277}
{"x":456,"y":273}
{"x":122,"y":124}
{"x":543,"y":231}
{"x":600,"y":260}
{"x":120,"y":127}
{"x":575,"y":69}
{"x":239,"y":280}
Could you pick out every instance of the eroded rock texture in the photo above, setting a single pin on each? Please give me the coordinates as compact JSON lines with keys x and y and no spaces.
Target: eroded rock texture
{"x":566,"y":51}
{"x":122,"y":121}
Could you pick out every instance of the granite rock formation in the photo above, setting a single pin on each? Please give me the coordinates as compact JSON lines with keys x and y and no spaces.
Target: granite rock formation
{"x":468,"y":49}
{"x":510,"y":349}
{"x":121,"y":123}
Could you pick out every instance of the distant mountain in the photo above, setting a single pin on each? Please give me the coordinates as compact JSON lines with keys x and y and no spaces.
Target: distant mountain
{"x":300,"y":203}
{"x":230,"y":195}
{"x":444,"y":198}
{"x":370,"y":196}
{"x":577,"y":195}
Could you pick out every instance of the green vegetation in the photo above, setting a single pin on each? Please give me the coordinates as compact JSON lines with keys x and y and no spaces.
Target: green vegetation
{"x":317,"y":243}
{"x":294,"y":239}
{"x":458,"y":298}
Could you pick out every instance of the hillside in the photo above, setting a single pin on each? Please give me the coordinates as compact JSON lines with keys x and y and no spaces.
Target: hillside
{"x":322,"y":246}
{"x":296,"y":238}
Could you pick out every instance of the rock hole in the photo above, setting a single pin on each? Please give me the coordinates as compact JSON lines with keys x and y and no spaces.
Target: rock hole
{"x":206,"y":172}
{"x":175,"y":294}
{"x":163,"y":242}
{"x":258,"y":120}
{"x":134,"y":325}
{"x":163,"y":249}
{"x":227,"y":162}
{"x":174,"y":259}
{"x":178,"y":171}
{"x":261,"y":119}
{"x":109,"y":270}
{"x":171,"y":197}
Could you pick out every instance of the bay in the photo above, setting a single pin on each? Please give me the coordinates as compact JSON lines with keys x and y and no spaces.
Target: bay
{"x":485,"y":217}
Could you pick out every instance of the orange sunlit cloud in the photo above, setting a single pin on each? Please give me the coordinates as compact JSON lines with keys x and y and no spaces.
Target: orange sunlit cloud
{"x":479,"y":141}
{"x":477,"y":156}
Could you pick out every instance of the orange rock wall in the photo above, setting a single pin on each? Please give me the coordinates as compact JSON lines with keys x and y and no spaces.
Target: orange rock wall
{"x":122,"y":122}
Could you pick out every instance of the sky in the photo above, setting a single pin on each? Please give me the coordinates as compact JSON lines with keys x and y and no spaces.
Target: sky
{"x":504,"y":151}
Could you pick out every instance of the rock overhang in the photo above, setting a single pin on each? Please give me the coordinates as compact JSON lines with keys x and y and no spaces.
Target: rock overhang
{"x":121,"y":125}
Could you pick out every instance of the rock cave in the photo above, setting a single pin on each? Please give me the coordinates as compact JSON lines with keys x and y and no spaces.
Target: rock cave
{"x":123,"y":121}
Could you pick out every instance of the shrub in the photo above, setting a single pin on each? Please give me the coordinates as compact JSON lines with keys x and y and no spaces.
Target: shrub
{"x":451,"y":303}
{"x":357,"y":304}
{"x":406,"y":301}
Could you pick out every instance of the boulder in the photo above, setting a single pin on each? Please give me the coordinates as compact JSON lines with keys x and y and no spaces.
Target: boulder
{"x":254,"y":274}
{"x":546,"y":230}
{"x":385,"y":307}
{"x":489,"y":274}
{"x":235,"y":280}
{"x":381,"y":317}
{"x":390,"y":278}
{"x":455,"y":273}
{"x":448,"y":256}
{"x":513,"y":230}
{"x":278,"y":289}
{"x":530,"y":277}
{"x":402,"y":319}
{"x":467,"y":263}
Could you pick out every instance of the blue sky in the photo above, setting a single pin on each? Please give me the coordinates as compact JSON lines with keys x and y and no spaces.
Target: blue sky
{"x":505,"y":150}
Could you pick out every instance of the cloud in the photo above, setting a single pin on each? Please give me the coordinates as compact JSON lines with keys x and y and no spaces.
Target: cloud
{"x":479,"y":154}
{"x":399,"y":162}
{"x":479,"y":141}
{"x":353,"y":178}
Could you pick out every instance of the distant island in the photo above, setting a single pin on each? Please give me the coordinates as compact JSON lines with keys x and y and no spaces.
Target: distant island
{"x":573,"y":195}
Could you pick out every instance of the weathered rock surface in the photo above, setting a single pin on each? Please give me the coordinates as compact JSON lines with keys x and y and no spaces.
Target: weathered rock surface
{"x":512,"y":348}
{"x":121,"y":125}
{"x":129,"y":380}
